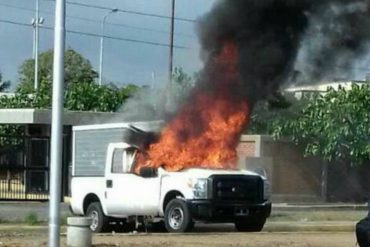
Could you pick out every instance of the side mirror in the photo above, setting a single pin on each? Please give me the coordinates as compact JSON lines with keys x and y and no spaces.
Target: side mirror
{"x":148,"y":172}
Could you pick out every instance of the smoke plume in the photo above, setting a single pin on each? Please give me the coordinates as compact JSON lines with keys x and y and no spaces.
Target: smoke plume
{"x":250,"y":48}
{"x":275,"y":38}
{"x":278,"y":41}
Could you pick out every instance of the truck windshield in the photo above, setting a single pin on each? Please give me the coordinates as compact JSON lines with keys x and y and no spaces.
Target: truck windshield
{"x":140,"y":157}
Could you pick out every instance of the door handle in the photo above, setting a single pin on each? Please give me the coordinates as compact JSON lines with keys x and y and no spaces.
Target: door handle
{"x":109,"y":183}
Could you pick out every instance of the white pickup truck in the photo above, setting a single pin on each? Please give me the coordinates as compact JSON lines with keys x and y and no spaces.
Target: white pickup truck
{"x":104,"y":187}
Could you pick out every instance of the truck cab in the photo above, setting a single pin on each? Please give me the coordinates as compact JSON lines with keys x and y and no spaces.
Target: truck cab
{"x":175,"y":199}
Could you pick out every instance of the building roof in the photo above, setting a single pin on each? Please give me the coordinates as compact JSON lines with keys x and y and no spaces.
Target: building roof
{"x":43,"y":116}
{"x":145,"y":126}
{"x":323,"y":86}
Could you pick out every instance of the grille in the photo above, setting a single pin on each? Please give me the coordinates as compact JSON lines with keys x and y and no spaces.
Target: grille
{"x":241,"y":188}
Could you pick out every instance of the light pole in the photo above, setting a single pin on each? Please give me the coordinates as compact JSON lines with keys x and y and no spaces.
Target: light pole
{"x":36,"y":22}
{"x":57,"y":124}
{"x":102,"y":44}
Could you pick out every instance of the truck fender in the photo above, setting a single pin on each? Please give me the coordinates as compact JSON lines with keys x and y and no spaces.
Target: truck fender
{"x":168,"y":197}
{"x":90,"y":198}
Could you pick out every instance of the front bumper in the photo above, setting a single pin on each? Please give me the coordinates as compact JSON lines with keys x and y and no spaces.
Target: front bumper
{"x":213,"y":211}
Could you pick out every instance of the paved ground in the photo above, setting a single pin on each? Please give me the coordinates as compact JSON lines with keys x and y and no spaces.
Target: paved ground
{"x":17,"y":211}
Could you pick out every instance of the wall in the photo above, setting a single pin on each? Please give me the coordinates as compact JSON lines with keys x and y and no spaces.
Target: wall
{"x":292,"y":176}
{"x":249,"y":146}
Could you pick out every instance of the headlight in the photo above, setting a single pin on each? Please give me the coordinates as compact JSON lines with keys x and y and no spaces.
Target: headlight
{"x":199,"y":187}
{"x":266,"y":189}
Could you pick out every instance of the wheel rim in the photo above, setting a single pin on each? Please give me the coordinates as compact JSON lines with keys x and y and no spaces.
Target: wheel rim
{"x":176,"y":218}
{"x":95,"y":220}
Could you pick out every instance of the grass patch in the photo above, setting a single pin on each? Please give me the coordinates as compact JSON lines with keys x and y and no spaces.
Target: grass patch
{"x":2,"y":221}
{"x":63,"y":219}
{"x":31,"y":219}
{"x":311,"y":216}
{"x":307,"y":227}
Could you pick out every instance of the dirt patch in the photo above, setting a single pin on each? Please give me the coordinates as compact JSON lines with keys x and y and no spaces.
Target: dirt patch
{"x":231,"y":239}
{"x":204,"y":239}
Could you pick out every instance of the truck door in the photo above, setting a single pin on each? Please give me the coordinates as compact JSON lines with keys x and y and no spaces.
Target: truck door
{"x":126,"y":193}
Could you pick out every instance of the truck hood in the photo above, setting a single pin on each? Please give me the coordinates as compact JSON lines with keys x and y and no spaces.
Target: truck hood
{"x":205,"y":173}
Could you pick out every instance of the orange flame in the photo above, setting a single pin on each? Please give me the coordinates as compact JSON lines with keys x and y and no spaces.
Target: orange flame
{"x":205,"y":132}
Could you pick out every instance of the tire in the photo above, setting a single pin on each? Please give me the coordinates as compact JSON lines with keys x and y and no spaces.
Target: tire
{"x":250,"y":225}
{"x":177,"y":217}
{"x":100,"y":221}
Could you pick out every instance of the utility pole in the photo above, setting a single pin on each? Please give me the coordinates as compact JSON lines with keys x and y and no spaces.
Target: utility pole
{"x":57,"y":125}
{"x":172,"y":29}
{"x":169,"y":105}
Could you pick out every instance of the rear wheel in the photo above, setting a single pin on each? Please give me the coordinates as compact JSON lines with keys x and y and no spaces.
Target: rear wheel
{"x":250,"y":225}
{"x":177,"y":217}
{"x":100,"y":222}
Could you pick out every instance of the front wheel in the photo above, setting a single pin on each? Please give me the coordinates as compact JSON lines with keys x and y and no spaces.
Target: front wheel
{"x":100,"y":222}
{"x":250,"y":225}
{"x":177,"y":216}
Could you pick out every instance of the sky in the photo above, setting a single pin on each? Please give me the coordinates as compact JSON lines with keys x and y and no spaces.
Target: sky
{"x":124,"y":62}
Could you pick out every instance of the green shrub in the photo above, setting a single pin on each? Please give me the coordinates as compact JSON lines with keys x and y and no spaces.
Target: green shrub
{"x":31,"y":219}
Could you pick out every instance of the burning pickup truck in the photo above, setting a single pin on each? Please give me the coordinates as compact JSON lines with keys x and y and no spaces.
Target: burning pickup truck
{"x":108,"y":186}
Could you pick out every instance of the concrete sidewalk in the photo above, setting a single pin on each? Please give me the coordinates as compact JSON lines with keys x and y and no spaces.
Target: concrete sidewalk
{"x":17,"y":211}
{"x":286,"y":227}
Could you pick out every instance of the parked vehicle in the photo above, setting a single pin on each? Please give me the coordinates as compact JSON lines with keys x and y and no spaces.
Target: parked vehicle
{"x":105,"y":187}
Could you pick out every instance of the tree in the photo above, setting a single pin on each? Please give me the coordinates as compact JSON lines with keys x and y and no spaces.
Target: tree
{"x":77,"y":97}
{"x":91,"y":97}
{"x":4,"y":85}
{"x":277,"y":108}
{"x":335,"y":126}
{"x":182,"y":83}
{"x":77,"y":70}
{"x":182,"y":80}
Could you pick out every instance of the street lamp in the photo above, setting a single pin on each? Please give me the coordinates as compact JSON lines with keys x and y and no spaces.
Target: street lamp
{"x":102,"y":44}
{"x":36,"y":22}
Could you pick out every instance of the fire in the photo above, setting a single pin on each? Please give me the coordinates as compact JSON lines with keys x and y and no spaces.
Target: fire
{"x":206,"y":130}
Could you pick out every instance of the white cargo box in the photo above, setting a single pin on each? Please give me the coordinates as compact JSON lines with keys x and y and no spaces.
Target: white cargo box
{"x":90,"y":144}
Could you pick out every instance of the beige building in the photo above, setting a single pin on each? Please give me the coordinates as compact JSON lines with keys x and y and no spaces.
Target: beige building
{"x":301,"y":91}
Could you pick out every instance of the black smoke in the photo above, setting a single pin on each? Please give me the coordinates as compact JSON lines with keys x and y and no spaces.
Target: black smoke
{"x":277,"y":37}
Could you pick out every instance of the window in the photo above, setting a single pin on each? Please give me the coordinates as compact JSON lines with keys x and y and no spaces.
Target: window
{"x":117,"y":166}
{"x":129,"y":158}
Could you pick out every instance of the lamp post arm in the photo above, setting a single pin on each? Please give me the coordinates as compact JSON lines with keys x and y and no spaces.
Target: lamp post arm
{"x":101,"y":58}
